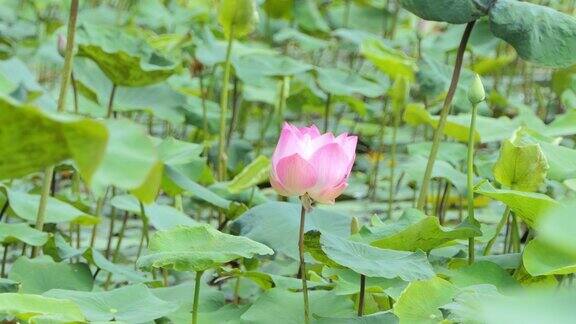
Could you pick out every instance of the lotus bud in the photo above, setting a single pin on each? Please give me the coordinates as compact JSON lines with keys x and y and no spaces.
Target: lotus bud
{"x":476,"y":94}
{"x":307,"y":163}
{"x":61,"y":45}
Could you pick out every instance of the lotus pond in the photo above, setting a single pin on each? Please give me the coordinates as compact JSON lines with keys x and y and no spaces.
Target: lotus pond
{"x":287,"y":161}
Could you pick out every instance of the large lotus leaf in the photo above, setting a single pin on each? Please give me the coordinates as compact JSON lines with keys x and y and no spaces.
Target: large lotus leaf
{"x":483,"y":272}
{"x":211,"y":301}
{"x":250,"y":68}
{"x":540,"y":259}
{"x":127,"y":272}
{"x":31,"y":140}
{"x":558,"y":227}
{"x":25,"y":206}
{"x":452,"y":11}
{"x":125,"y":59}
{"x":425,"y":234}
{"x":175,"y":152}
{"x":162,"y":217}
{"x":283,"y":306}
{"x":33,"y":308}
{"x":237,"y":17}
{"x":539,"y":34}
{"x":562,"y":161}
{"x":529,"y":206}
{"x":276,"y":225}
{"x":483,"y":304}
{"x":130,"y":304}
{"x":39,"y":275}
{"x":253,"y":174}
{"x":21,"y":232}
{"x":8,"y":286}
{"x":521,"y":167}
{"x":308,"y":17}
{"x":159,"y":99}
{"x":59,"y":249}
{"x":390,"y":61}
{"x":198,"y":248}
{"x":130,"y":162}
{"x":375,"y":262}
{"x":375,"y":318}
{"x":347,"y":83}
{"x":17,"y":78}
{"x":421,"y":300}
{"x":304,"y":41}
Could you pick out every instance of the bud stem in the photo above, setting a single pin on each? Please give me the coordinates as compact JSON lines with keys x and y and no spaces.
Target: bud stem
{"x":305,"y":206}
{"x":470,"y":180}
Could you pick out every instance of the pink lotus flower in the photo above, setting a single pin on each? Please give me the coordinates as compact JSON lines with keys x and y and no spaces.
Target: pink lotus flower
{"x":307,"y":162}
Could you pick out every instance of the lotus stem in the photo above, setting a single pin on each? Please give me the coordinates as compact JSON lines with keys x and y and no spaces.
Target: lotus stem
{"x":4,"y":257}
{"x":392,"y":189}
{"x":43,"y":203}
{"x":68,"y":56}
{"x":361,"y":295}
{"x":196,"y":296}
{"x":224,"y":108}
{"x":439,"y":132}
{"x":305,"y":205}
{"x":470,"y":180}
{"x":110,"y":113}
{"x":499,"y":227}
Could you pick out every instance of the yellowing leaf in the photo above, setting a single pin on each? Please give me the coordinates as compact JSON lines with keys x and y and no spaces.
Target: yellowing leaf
{"x":521,"y":167}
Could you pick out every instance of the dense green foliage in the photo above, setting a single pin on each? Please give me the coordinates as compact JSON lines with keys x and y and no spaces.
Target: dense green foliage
{"x":135,"y":162}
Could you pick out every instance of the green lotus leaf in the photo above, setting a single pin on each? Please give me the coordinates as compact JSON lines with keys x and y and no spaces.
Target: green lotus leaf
{"x":198,"y":248}
{"x":130,"y":304}
{"x":452,"y":11}
{"x":237,"y":17}
{"x":539,"y":34}
{"x":375,"y":262}
{"x":34,"y":308}
{"x":126,"y":60}
{"x":31,"y":140}
{"x":11,"y":233}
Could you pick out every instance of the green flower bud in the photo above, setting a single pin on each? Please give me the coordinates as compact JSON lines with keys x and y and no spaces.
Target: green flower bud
{"x":476,"y":94}
{"x":354,"y":226}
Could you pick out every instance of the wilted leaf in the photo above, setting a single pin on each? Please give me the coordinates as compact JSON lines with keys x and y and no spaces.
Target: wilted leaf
{"x":521,"y":167}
